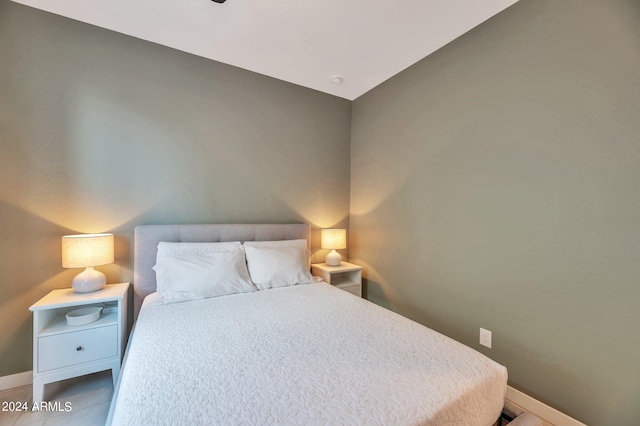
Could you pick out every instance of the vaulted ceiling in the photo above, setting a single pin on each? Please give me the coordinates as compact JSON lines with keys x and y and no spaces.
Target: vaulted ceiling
{"x":309,"y":43}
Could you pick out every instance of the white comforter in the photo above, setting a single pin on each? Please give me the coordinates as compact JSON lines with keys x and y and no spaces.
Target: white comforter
{"x":308,"y":354}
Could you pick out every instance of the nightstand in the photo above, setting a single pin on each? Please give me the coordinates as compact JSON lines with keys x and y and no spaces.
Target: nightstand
{"x":61,"y":351}
{"x":347,"y":276}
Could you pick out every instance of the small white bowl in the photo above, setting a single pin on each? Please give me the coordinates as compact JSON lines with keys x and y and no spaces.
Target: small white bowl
{"x":83,"y":316}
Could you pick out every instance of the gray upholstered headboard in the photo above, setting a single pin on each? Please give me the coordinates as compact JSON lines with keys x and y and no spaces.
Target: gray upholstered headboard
{"x":147,"y":237}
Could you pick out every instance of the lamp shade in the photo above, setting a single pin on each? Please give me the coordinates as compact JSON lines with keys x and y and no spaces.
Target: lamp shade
{"x":333,"y":239}
{"x":84,"y":250}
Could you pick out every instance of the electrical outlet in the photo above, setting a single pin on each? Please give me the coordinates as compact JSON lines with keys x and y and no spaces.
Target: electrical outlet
{"x":485,"y":337}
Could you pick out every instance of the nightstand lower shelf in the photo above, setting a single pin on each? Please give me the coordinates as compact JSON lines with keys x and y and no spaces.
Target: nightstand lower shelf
{"x":347,"y":276}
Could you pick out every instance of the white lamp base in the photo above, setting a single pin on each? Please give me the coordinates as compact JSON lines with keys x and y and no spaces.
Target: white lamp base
{"x":88,"y":281}
{"x":334,"y":258}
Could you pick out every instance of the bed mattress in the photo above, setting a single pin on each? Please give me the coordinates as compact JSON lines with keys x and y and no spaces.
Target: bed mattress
{"x":308,"y":354}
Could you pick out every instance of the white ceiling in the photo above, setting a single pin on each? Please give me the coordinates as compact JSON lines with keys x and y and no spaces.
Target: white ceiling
{"x":302,"y":42}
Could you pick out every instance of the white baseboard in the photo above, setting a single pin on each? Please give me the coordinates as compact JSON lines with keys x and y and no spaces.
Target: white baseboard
{"x":16,"y":380}
{"x":548,"y":414}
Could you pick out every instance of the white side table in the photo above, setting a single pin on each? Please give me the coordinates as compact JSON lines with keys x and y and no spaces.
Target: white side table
{"x":61,"y":351}
{"x":347,"y":276}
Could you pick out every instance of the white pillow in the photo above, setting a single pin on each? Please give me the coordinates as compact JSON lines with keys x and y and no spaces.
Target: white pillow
{"x":283,"y":243}
{"x":189,"y":276}
{"x":271,"y":265}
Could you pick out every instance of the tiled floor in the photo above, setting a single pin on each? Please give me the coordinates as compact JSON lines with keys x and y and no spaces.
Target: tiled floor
{"x":88,"y":397}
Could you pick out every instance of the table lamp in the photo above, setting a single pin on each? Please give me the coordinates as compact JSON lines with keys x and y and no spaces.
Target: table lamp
{"x":333,"y":239}
{"x":87,"y":251}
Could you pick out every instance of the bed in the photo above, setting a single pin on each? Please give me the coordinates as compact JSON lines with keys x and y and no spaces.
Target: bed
{"x":304,"y":354}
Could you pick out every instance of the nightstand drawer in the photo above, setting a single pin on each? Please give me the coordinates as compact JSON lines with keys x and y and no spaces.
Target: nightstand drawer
{"x":77,"y":347}
{"x":354,"y":288}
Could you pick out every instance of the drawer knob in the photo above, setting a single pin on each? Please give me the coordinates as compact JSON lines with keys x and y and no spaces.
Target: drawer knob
{"x":79,"y":348}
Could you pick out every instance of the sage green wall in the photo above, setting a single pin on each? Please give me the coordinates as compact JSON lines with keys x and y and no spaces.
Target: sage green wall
{"x":101,"y":132}
{"x":496,"y":184}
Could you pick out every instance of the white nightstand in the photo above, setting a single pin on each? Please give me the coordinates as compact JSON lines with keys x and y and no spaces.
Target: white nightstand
{"x":61,"y":351}
{"x":347,"y":276}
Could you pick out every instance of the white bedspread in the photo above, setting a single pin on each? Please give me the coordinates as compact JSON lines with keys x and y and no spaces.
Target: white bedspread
{"x":308,"y":354}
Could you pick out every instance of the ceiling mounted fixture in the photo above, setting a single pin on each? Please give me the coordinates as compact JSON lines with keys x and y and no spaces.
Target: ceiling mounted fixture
{"x":337,"y":80}
{"x":219,"y":1}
